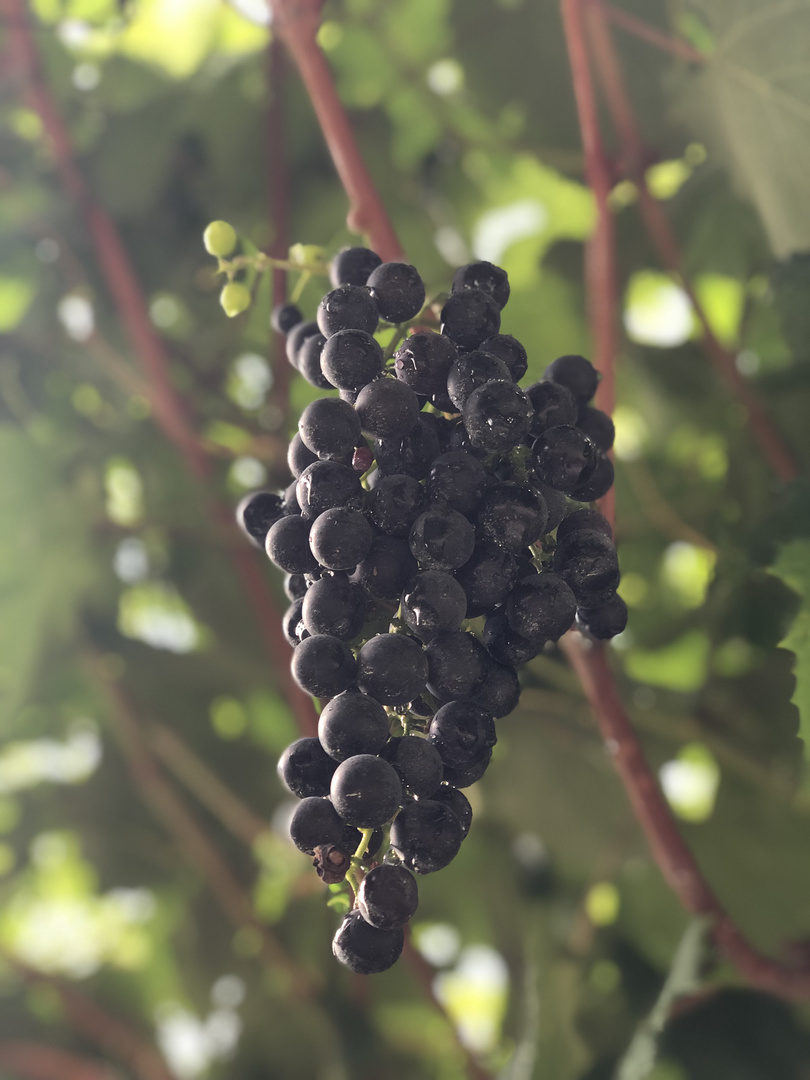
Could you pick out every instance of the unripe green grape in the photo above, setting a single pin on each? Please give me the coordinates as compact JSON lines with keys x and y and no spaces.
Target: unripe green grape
{"x":219,"y":239}
{"x":235,"y":298}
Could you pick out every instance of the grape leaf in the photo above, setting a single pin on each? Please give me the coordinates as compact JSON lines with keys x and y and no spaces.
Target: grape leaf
{"x":793,"y":567}
{"x":751,"y":100}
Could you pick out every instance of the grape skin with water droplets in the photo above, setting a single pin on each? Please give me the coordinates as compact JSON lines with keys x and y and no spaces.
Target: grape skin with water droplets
{"x":454,"y":519}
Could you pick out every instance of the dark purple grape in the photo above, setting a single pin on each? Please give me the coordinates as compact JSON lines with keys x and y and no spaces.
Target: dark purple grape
{"x":315,"y":822}
{"x":387,"y":408}
{"x":457,"y":661}
{"x":459,"y":479}
{"x":340,"y":538}
{"x":487,"y":578}
{"x":454,"y":800}
{"x":485,"y":276}
{"x":597,"y":425}
{"x":284,"y":317}
{"x":467,"y":775}
{"x":296,"y":338}
{"x":540,"y":608}
{"x":504,"y":645}
{"x":499,"y":690}
{"x":470,"y":317}
{"x":564,"y":458}
{"x":336,"y":606}
{"x":432,"y":603}
{"x":587,"y":562}
{"x":324,"y":485}
{"x":290,"y":502}
{"x":351,"y":359}
{"x":553,"y":405}
{"x":295,"y":586}
{"x":417,"y":764}
{"x":441,"y":539}
{"x":324,"y":666}
{"x":395,"y":503}
{"x":392,"y":668}
{"x":308,"y":362}
{"x":365,"y":791}
{"x":423,"y":361}
{"x":352,"y":723}
{"x":352,"y":266}
{"x":426,"y":835}
{"x":387,"y":568}
{"x":460,"y":731}
{"x":508,"y":349}
{"x":598,"y":483}
{"x":257,"y":513}
{"x":363,"y":948}
{"x":293,"y":624}
{"x":411,"y":454}
{"x":299,"y":456}
{"x":604,"y":621}
{"x":575,"y":372}
{"x":583,"y":519}
{"x":306,"y":769}
{"x":497,"y":416}
{"x":512,"y":516}
{"x":388,"y":897}
{"x":348,"y":307}
{"x":472,"y":370}
{"x":287,"y":545}
{"x":397,"y":290}
{"x":330,"y":428}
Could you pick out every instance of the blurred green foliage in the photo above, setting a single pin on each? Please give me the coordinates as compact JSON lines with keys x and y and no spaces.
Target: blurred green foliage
{"x":552,"y":934}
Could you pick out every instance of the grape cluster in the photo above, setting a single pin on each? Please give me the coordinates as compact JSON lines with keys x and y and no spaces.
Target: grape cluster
{"x":434,"y":538}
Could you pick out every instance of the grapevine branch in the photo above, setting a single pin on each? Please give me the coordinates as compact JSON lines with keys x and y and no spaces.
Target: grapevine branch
{"x":147,"y":347}
{"x":299,"y":27}
{"x":633,"y":159}
{"x":643,"y":30}
{"x":111,"y":1034}
{"x":34,"y":1061}
{"x":669,"y":849}
{"x":191,"y":839}
{"x":297,"y":22}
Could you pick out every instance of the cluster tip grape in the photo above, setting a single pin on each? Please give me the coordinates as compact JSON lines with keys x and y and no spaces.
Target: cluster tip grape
{"x":436,"y":534}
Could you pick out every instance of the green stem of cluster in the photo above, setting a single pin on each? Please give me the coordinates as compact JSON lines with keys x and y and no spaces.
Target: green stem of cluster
{"x":354,"y":875}
{"x":261,"y":262}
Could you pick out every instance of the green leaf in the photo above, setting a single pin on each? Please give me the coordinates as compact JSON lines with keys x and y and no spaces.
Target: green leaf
{"x":793,"y":567}
{"x":751,"y":100}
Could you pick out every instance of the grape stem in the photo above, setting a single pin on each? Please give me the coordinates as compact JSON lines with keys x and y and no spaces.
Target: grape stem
{"x":297,"y":22}
{"x":632,"y":160}
{"x":675,"y":860}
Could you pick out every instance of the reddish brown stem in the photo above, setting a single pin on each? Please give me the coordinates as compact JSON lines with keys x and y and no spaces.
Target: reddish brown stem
{"x":651,"y":34}
{"x":297,"y":23}
{"x":121,"y":1040}
{"x":192,"y":841}
{"x":113,"y":260}
{"x":278,"y":197}
{"x":633,"y":159}
{"x":203,"y":782}
{"x":129,"y":300}
{"x":32,"y":1061}
{"x":600,"y":267}
{"x":669,"y":849}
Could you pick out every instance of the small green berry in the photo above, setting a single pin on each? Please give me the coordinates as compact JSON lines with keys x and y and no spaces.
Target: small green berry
{"x":235,"y":298}
{"x":219,"y":239}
